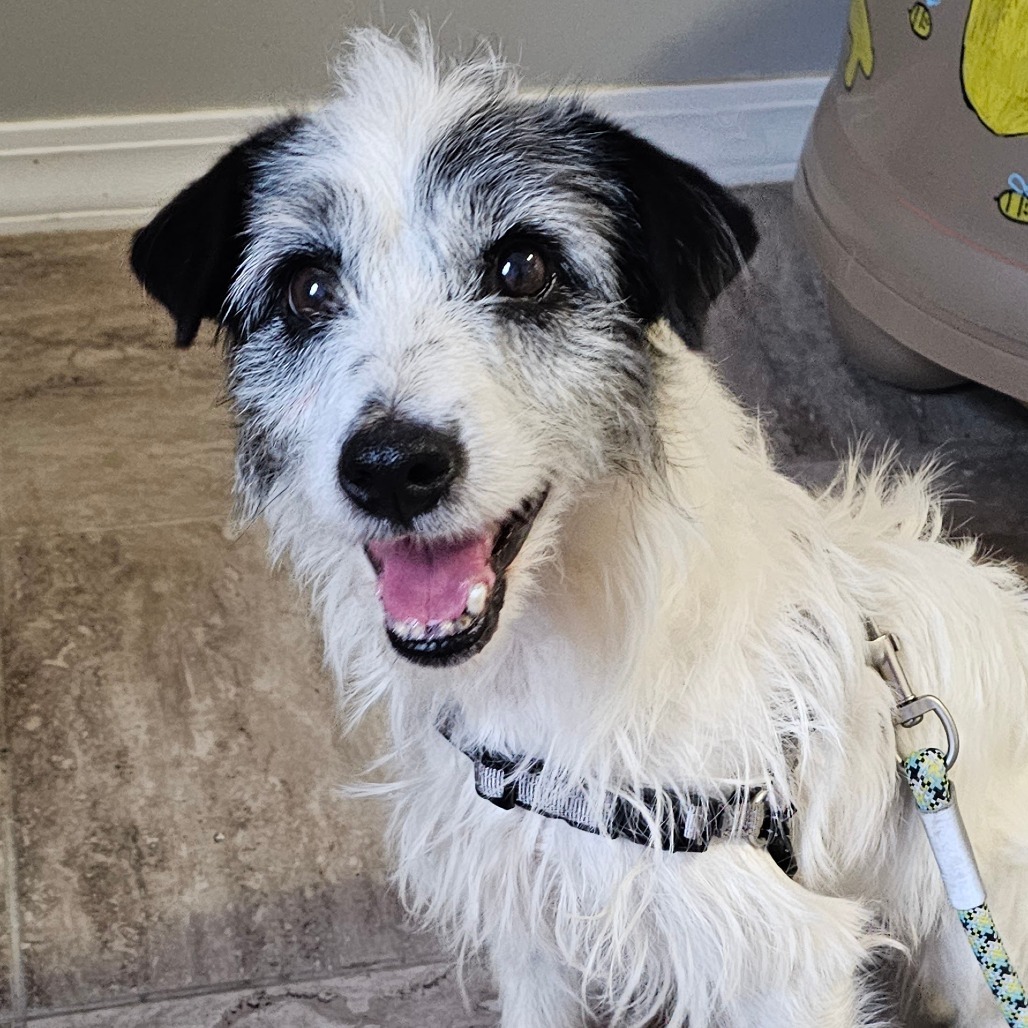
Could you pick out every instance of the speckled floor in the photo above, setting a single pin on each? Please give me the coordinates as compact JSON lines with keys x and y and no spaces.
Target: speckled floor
{"x":174,"y":851}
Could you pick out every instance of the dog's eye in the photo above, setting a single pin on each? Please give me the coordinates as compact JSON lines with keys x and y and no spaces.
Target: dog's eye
{"x":313,"y":293}
{"x":522,"y":271}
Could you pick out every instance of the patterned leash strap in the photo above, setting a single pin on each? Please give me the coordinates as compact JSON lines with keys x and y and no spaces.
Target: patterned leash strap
{"x":926,"y":771}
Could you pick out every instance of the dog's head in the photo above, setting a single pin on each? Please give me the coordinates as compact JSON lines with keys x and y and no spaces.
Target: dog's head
{"x":437,"y":294}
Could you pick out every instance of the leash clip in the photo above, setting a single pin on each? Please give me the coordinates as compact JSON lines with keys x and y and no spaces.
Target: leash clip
{"x":910,"y":708}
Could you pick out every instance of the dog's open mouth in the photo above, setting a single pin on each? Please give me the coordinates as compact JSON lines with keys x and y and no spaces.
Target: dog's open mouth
{"x":441,"y":599}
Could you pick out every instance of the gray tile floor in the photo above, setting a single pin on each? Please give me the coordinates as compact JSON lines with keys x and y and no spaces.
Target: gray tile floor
{"x":175,"y":852}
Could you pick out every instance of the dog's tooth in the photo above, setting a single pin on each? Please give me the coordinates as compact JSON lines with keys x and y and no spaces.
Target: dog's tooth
{"x":407,"y":628}
{"x":476,"y":599}
{"x":445,"y":628}
{"x":464,"y":622}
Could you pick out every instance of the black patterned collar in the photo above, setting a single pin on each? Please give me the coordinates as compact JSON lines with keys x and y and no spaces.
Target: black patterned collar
{"x":669,"y":820}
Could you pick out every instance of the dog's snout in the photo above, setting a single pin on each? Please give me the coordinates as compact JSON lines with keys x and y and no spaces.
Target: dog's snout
{"x":399,"y":469}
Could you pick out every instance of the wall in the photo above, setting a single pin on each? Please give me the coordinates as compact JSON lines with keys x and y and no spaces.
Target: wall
{"x":69,"y":58}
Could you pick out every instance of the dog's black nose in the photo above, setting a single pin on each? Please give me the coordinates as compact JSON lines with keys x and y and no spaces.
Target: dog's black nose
{"x":397,"y":469}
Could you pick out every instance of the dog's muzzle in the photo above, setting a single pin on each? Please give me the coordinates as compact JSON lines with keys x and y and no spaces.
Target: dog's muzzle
{"x":441,"y":596}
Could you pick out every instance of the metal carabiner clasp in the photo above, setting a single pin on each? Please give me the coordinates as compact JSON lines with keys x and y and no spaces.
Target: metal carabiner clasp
{"x":910,"y":708}
{"x":912,"y":711}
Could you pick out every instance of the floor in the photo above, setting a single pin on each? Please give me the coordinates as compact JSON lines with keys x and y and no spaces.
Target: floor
{"x":175,"y":852}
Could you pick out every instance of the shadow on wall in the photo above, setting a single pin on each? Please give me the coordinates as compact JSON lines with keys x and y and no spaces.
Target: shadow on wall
{"x":765,"y":39}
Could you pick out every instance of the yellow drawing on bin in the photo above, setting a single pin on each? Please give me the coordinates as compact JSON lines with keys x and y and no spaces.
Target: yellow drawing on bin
{"x":995,"y":64}
{"x":862,"y":53}
{"x":1013,"y":201}
{"x":920,"y":20}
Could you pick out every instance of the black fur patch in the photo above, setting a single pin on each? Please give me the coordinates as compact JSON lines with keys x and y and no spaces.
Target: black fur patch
{"x":680,"y":239}
{"x":683,"y":237}
{"x":187,"y":256}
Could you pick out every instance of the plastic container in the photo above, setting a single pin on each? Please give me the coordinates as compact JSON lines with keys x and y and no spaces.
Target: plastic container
{"x":913,"y":192}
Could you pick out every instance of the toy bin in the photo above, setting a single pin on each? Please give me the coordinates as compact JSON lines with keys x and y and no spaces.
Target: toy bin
{"x":912,"y":191}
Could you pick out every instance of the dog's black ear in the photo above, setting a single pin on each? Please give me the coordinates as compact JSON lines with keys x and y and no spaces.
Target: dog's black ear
{"x":187,"y":256}
{"x":690,"y":236}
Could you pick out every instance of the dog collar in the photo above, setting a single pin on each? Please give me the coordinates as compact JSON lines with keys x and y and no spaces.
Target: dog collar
{"x":672,"y":821}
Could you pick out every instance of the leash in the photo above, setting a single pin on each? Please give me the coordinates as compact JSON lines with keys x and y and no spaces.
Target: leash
{"x":926,"y":772}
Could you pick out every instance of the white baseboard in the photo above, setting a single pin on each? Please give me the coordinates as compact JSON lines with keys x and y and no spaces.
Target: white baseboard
{"x":114,"y":172}
{"x":739,"y":132}
{"x":108,"y":172}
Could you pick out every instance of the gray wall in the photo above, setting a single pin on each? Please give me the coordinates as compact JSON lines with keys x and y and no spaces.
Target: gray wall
{"x":66,"y":58}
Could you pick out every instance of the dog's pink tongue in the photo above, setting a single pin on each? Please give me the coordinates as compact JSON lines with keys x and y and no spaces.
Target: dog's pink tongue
{"x":431,"y":582}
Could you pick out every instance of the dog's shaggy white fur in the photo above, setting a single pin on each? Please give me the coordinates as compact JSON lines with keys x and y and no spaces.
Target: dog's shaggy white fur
{"x":680,"y":614}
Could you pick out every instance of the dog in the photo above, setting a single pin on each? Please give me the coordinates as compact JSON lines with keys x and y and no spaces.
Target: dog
{"x":639,"y":755}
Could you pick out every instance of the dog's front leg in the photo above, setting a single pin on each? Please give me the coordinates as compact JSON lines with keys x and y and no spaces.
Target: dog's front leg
{"x":536,"y":991}
{"x":826,"y":982}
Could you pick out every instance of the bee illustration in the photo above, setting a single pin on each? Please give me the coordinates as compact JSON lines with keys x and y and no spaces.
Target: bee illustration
{"x":1013,"y":201}
{"x":921,"y":18}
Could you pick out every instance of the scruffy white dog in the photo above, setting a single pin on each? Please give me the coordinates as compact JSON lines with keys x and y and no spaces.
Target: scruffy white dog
{"x":640,"y":756}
